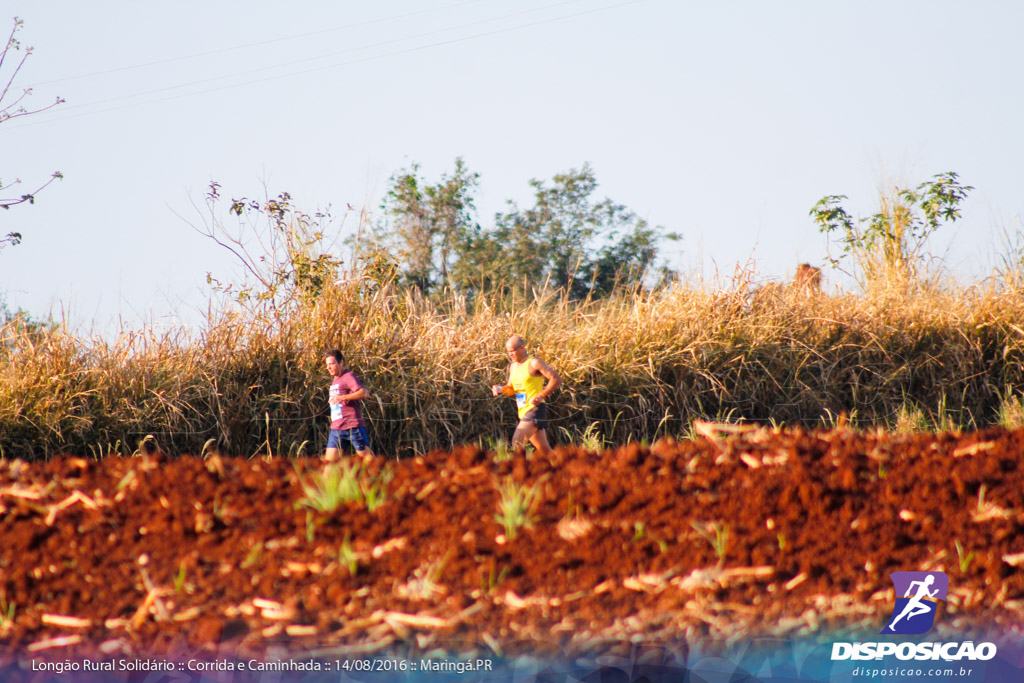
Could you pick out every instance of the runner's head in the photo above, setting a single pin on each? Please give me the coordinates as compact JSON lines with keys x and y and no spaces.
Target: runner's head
{"x":335,"y":362}
{"x":515,"y":347}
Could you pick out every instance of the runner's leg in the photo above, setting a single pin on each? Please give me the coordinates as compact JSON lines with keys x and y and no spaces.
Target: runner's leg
{"x":332,"y":446}
{"x":524,"y":430}
{"x":539,"y":439}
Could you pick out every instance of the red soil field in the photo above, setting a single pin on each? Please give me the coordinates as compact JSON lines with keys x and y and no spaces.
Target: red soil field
{"x":634,"y":552}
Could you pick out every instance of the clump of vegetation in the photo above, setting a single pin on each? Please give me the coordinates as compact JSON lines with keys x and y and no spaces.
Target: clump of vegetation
{"x":909,"y":419}
{"x":501,"y":448}
{"x":1011,"y":410}
{"x":515,"y":506}
{"x":590,"y":438}
{"x":341,"y":483}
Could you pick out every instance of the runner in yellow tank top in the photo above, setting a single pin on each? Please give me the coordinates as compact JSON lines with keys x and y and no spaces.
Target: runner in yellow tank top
{"x":525,"y":385}
{"x":531,"y":381}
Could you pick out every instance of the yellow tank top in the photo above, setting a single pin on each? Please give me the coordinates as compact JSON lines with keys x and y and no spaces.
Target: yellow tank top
{"x":526,"y":385}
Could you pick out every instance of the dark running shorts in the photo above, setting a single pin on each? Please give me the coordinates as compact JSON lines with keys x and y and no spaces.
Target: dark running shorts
{"x":355,"y":437}
{"x":537,"y":415}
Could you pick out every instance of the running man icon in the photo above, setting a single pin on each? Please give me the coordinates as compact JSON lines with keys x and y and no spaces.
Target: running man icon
{"x":920,"y":593}
{"x":915,"y":606}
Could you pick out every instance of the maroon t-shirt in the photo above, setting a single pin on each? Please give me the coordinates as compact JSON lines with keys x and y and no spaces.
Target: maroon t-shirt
{"x":348,"y":414}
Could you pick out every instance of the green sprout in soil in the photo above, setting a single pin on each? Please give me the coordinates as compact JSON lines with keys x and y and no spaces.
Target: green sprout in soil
{"x":311,"y":523}
{"x":489,"y":582}
{"x":640,"y":532}
{"x":374,"y":494}
{"x":254,"y":555}
{"x":717,"y":534}
{"x":572,"y":508}
{"x":435,"y":569}
{"x":347,"y":557}
{"x":7,"y":610}
{"x":220,"y":510}
{"x":964,"y":559}
{"x":328,"y":490}
{"x":179,"y":580}
{"x":424,"y":582}
{"x":515,"y":508}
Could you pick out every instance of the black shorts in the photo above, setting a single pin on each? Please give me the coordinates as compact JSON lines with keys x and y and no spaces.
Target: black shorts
{"x":537,"y":415}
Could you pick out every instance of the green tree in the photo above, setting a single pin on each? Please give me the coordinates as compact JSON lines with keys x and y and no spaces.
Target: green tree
{"x":892,"y":240}
{"x":567,"y":239}
{"x":570,"y":240}
{"x":429,"y":224}
{"x":12,"y":109}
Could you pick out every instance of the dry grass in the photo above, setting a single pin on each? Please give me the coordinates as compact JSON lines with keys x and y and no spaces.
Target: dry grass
{"x":639,"y":366}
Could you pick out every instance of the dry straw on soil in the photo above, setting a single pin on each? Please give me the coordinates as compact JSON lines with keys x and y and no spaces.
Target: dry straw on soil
{"x":637,"y":365}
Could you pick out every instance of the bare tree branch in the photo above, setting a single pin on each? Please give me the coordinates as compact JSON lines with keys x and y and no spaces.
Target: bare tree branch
{"x":15,"y":109}
{"x":30,"y":197}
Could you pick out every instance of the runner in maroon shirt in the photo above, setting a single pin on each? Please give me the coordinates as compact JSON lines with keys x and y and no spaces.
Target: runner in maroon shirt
{"x":347,"y":425}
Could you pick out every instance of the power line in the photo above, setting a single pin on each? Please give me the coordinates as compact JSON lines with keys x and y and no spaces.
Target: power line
{"x":256,"y":44}
{"x":329,"y":66}
{"x":312,"y":59}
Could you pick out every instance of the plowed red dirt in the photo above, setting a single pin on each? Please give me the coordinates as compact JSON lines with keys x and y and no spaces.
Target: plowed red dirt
{"x":779,"y":532}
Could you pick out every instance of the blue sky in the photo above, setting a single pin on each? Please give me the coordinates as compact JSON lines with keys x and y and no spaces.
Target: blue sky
{"x":722,"y":121}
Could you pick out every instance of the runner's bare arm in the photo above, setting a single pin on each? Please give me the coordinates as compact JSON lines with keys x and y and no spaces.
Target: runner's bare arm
{"x":537,"y":366}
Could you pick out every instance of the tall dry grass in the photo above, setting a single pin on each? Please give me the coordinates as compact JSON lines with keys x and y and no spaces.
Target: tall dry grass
{"x":637,"y":366}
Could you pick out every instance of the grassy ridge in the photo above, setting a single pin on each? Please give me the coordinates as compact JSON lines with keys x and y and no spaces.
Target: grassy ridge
{"x":639,"y":366}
